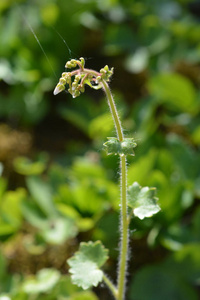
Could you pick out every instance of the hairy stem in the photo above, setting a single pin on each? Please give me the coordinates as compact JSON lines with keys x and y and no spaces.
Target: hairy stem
{"x":124,"y":233}
{"x":113,"y":110}
{"x":110,"y":286}
{"x":124,"y":218}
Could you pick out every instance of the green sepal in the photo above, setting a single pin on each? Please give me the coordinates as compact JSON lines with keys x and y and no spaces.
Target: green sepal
{"x":114,"y":146}
{"x":142,"y":200}
{"x":95,"y":87}
{"x":106,"y":73}
{"x":85,"y":264}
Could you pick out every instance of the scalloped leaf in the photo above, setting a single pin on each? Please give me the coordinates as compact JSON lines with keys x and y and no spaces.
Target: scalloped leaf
{"x":85,"y":264}
{"x":142,"y":200}
{"x":114,"y":146}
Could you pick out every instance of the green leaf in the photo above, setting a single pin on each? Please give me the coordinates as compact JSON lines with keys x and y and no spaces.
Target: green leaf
{"x":142,"y":201}
{"x":85,"y":264}
{"x":54,"y":230}
{"x":142,"y":169}
{"x":25,"y":166}
{"x":33,"y":214}
{"x":44,"y":281}
{"x":114,"y":146}
{"x":86,"y":295}
{"x":3,"y":186}
{"x":58,"y":230}
{"x":10,"y":211}
{"x":174,"y":89}
{"x":42,"y":194}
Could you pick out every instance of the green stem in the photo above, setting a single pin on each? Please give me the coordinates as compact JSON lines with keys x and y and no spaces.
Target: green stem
{"x":113,"y":110}
{"x":124,"y":233}
{"x":124,"y":218}
{"x":110,"y":285}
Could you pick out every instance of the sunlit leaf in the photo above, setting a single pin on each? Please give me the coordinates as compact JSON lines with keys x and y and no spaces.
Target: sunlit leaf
{"x":142,"y":201}
{"x":114,"y":146}
{"x":141,"y":169}
{"x":85,"y":264}
{"x":25,"y":166}
{"x":10,"y":211}
{"x":44,"y":281}
{"x":174,"y":89}
{"x":54,"y":230}
{"x":58,"y":230}
{"x":42,"y":194}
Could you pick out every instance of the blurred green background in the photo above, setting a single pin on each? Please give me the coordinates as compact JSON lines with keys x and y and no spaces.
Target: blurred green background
{"x":57,"y":186}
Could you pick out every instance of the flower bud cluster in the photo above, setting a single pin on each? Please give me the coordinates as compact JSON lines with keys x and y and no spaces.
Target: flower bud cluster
{"x":65,"y":79}
{"x":77,"y":78}
{"x":73,"y":63}
{"x":106,"y":73}
{"x":76,"y":88}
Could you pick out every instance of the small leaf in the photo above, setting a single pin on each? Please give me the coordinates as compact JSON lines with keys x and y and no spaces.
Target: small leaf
{"x":25,"y":166}
{"x":44,"y":281}
{"x":114,"y":146}
{"x":42,"y":194}
{"x":85,"y":264}
{"x":142,"y":201}
{"x":58,"y":230}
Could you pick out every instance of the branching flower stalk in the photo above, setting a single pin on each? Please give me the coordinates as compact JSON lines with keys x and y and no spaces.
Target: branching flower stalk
{"x":84,"y":76}
{"x":90,"y":253}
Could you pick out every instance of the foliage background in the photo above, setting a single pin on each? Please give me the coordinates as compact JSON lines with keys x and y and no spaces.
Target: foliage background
{"x":57,"y":187}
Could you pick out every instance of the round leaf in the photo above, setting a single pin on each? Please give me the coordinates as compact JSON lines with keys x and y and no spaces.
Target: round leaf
{"x":142,"y":201}
{"x":85,"y":264}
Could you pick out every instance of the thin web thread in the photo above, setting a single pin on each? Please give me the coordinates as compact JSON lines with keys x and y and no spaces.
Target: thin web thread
{"x":68,"y":48}
{"x":38,"y":41}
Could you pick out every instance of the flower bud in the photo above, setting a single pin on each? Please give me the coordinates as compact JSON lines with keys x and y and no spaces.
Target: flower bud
{"x":59,"y":88}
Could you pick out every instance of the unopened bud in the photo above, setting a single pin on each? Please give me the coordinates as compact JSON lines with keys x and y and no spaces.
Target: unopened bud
{"x":59,"y":88}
